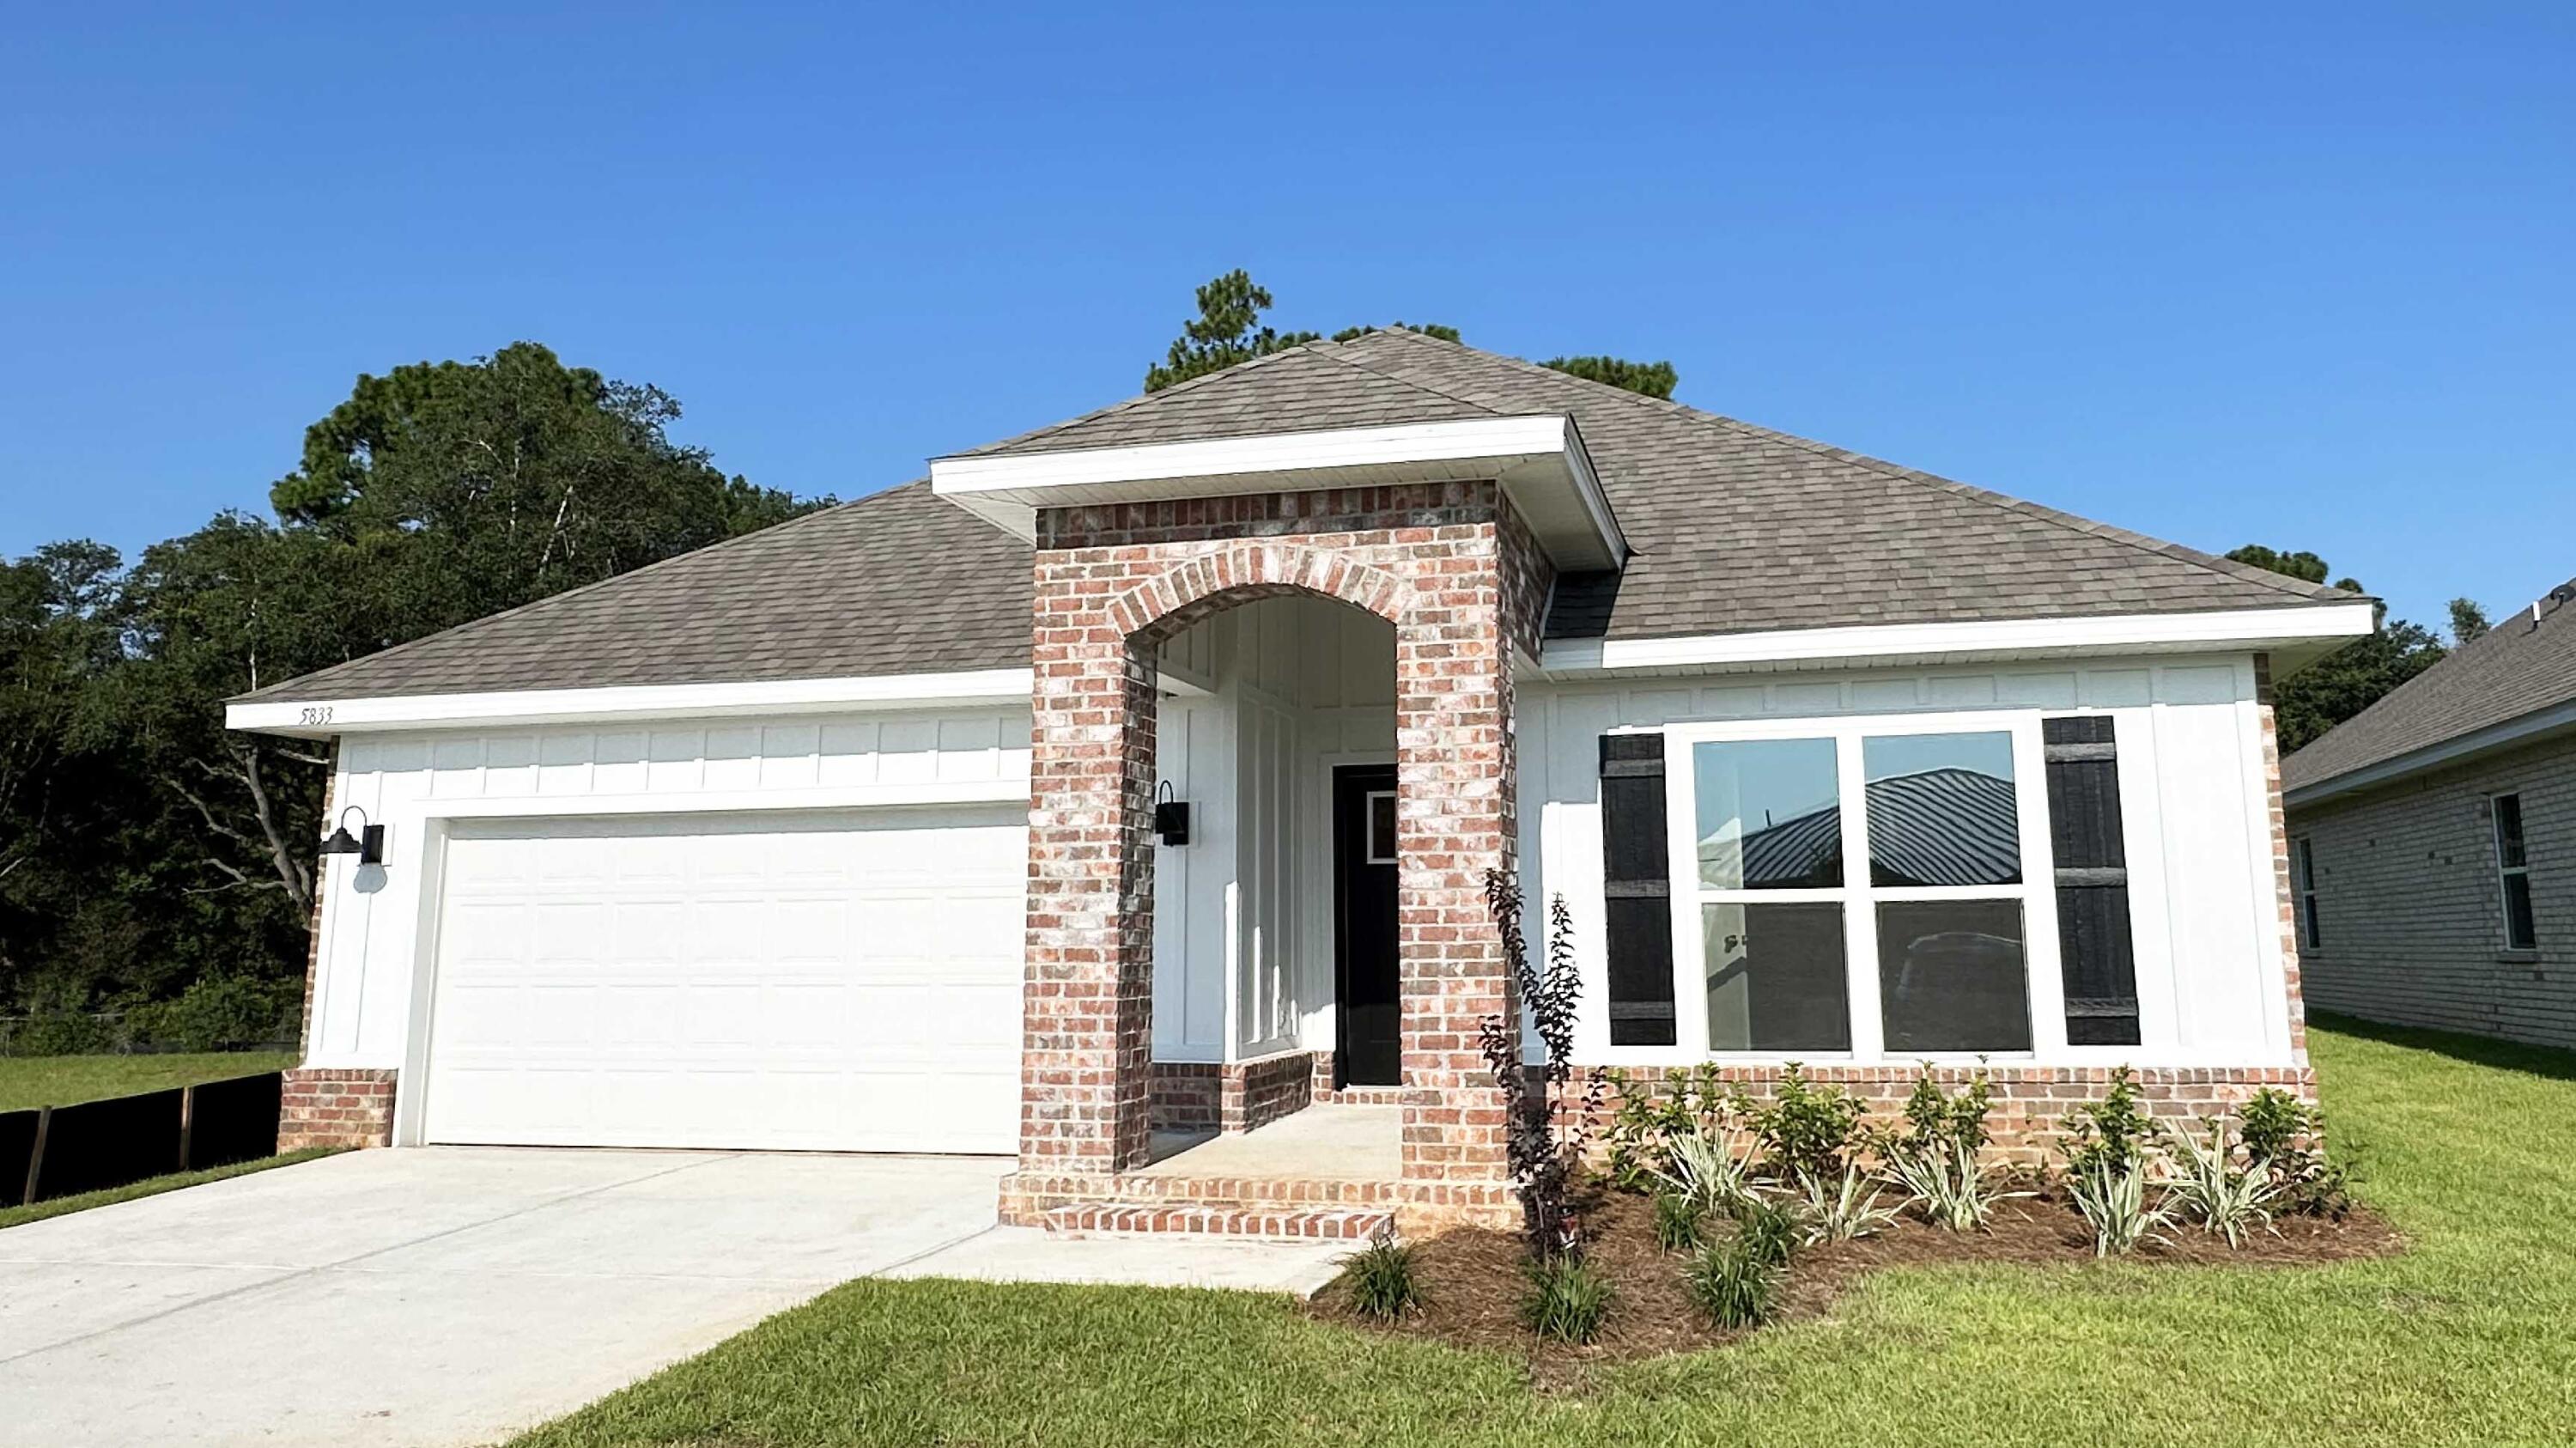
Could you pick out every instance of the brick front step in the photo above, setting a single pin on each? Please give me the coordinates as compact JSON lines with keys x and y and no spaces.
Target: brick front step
{"x":1096,"y":1218}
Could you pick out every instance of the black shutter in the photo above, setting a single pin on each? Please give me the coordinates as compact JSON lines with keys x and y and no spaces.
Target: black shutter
{"x":1636,"y":872}
{"x":2099,"y":956}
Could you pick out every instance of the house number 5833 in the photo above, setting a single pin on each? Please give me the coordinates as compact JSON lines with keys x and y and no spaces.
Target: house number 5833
{"x":316,"y":714}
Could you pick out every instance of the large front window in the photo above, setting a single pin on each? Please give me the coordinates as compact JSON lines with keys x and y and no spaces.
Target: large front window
{"x":1902,"y":928}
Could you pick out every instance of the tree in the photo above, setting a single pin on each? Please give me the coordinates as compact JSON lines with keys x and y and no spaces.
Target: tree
{"x":1228,"y":330}
{"x":2468,"y":621}
{"x":2350,"y":679}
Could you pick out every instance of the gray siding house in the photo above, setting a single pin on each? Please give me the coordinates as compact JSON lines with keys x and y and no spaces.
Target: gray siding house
{"x":2433,"y":842}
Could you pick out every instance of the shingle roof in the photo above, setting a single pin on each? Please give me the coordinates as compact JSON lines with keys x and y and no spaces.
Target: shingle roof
{"x":1735,"y":529}
{"x":2522,"y":666}
{"x":897,"y":582}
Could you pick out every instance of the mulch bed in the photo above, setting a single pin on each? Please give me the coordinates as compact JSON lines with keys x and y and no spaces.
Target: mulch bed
{"x":1474,"y":1285}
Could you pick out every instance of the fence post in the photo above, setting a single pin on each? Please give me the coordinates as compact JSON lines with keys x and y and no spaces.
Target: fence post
{"x":187,"y":1123}
{"x":36,"y":1158}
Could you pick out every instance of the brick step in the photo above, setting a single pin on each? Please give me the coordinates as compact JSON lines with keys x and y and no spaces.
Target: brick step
{"x":1348,"y":1224}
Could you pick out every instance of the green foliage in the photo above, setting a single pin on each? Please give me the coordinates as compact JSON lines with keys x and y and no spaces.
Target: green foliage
{"x":2304,"y":566}
{"x":1934,"y":1116}
{"x":1428,"y":329}
{"x":2469,"y":622}
{"x":1736,"y":1284}
{"x":2113,"y":1132}
{"x":1679,"y":1222}
{"x":1768,"y":1230}
{"x":1708,"y":1170}
{"x":1805,"y":1129}
{"x":1568,"y":1298}
{"x":2209,"y":1188}
{"x":2284,"y":1134}
{"x":1649,"y":1115}
{"x":1226,"y":331}
{"x":1382,"y":1277}
{"x":2350,"y":679}
{"x":1653,"y":379}
{"x":1946,"y":1181}
{"x":2113,"y":1202}
{"x":1841,"y":1209}
{"x":221,"y":1012}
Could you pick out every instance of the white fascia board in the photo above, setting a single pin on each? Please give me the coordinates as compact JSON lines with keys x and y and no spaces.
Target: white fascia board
{"x":323,"y":718}
{"x":2262,"y":628}
{"x":2535,"y":725}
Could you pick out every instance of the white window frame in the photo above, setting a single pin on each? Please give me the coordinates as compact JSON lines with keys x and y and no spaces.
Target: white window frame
{"x":2505,"y":872}
{"x":2037,"y":894}
{"x":2303,"y":882}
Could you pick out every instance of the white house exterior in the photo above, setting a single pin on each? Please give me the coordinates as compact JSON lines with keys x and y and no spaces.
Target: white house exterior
{"x":723,"y":853}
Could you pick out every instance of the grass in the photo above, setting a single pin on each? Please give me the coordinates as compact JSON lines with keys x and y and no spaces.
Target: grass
{"x":2466,"y":1146}
{"x":29,"y":1081}
{"x":151,"y":1187}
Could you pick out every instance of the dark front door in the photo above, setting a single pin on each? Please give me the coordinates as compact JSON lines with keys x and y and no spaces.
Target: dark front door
{"x":1371,"y":1015}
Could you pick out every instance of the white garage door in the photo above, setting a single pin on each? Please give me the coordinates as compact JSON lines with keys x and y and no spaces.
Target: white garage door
{"x":842,"y":982}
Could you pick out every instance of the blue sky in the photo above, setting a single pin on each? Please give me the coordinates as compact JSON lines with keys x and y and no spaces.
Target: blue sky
{"x":2290,"y":274}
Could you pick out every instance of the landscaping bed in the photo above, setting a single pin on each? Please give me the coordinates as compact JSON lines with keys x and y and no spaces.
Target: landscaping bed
{"x":1474,"y":1285}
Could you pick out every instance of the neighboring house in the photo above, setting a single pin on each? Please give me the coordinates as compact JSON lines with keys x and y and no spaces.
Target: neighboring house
{"x":2433,"y":841}
{"x":850,"y":834}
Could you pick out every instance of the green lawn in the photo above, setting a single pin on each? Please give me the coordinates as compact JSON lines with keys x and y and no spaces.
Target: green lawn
{"x":27,"y":1081}
{"x":153,"y":1187}
{"x":2470,"y":1338}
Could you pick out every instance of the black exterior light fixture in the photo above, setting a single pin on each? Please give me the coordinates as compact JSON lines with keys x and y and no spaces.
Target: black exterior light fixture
{"x":368,"y":844}
{"x":1171,"y":817}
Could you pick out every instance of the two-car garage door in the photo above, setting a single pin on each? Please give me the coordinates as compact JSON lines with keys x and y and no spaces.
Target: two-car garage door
{"x":845,"y":982}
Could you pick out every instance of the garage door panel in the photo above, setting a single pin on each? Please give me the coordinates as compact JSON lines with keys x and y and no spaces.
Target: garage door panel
{"x":847,"y":982}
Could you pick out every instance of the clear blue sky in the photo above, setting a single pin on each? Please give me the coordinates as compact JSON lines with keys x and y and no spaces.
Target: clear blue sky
{"x":2221,"y":273}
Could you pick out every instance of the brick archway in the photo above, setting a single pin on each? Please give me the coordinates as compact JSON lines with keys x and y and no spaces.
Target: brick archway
{"x":1458,"y":579}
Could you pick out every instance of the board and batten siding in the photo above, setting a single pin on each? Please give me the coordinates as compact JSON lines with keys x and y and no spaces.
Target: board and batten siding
{"x":2408,"y":899}
{"x":377,"y":923}
{"x":2193,"y":784}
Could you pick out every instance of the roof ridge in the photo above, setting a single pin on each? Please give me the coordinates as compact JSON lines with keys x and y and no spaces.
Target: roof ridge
{"x":1314,"y":347}
{"x":2142,"y":542}
{"x":771,"y":533}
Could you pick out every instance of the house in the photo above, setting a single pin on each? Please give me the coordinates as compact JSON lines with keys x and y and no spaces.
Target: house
{"x":1142,"y":775}
{"x":2433,"y":841}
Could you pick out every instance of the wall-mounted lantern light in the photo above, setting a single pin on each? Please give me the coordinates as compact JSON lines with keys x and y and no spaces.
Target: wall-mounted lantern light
{"x":1171,"y":817}
{"x":368,"y":844}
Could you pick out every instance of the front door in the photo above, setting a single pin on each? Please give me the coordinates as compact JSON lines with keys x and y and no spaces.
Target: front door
{"x":1369,"y":1051}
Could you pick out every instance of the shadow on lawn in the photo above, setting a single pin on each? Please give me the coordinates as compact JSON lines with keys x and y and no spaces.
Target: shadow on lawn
{"x":2544,"y":1061}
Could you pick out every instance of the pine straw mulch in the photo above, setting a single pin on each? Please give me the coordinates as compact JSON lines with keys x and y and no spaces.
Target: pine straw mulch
{"x":1473,"y":1284}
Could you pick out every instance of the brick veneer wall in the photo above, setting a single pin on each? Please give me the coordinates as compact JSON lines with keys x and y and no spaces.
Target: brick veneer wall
{"x":336,"y":1106}
{"x":2411,"y":904}
{"x":2276,"y":818}
{"x":1453,"y":571}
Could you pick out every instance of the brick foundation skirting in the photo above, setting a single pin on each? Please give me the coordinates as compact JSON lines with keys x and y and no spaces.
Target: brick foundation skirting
{"x":1233,"y":1095}
{"x":343,"y":1106}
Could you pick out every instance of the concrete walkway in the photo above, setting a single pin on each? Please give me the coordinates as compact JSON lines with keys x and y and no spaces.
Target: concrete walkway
{"x":456,"y":1295}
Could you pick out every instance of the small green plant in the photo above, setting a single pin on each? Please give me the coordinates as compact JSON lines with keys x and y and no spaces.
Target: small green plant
{"x":1679,"y":1222}
{"x":1934,"y":1116}
{"x":1383,"y":1282}
{"x":1947,"y":1182}
{"x":1650,"y":1115}
{"x":1841,"y":1209}
{"x":2208,"y":1187}
{"x":2113,"y":1201}
{"x":1568,"y":1298}
{"x":1805,"y":1129}
{"x":1736,"y":1285}
{"x":2283,"y":1133}
{"x":1768,"y":1229}
{"x":1708,"y":1170}
{"x":2113,"y":1132}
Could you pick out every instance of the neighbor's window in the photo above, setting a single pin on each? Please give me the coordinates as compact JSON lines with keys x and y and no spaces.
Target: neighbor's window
{"x":1917,"y":949}
{"x":2513,"y":872}
{"x":2303,"y":875}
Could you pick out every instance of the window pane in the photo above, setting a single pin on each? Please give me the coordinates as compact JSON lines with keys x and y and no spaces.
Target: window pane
{"x":2508,"y":824}
{"x":1769,"y":814}
{"x":2520,"y":933}
{"x":1776,"y":978}
{"x":1951,"y":976}
{"x":1381,"y":827}
{"x":1942,"y":810}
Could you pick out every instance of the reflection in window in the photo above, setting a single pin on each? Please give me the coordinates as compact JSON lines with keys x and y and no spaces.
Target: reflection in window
{"x":1941,"y":810}
{"x":1776,"y":979}
{"x":1950,"y":976}
{"x":1767,"y":814}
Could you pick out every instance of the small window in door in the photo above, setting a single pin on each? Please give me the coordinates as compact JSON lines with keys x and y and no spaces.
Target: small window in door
{"x":1381,"y":827}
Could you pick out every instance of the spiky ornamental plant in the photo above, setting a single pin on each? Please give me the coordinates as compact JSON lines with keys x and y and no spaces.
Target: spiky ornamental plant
{"x":1547,"y":1123}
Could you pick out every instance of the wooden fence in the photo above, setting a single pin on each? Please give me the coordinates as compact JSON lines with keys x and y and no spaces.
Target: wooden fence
{"x":57,"y":1151}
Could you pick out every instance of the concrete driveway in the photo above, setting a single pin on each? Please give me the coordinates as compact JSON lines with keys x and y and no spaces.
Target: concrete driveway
{"x":457,"y":1295}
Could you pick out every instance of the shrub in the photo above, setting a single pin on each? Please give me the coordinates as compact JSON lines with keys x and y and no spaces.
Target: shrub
{"x":1934,"y":1116}
{"x":2113,"y":1201}
{"x":1383,"y":1284}
{"x":62,"y":1033}
{"x":1841,"y":1210}
{"x":1650,"y":1115}
{"x":1678,"y":1222}
{"x":1767,"y":1229}
{"x":1736,"y":1285}
{"x":1947,"y":1183}
{"x":2209,"y":1188}
{"x":2283,"y":1133}
{"x":1709,"y":1171}
{"x":220,"y":1013}
{"x":1544,"y":1127}
{"x":1806,"y":1130}
{"x":1568,"y":1298}
{"x":2113,"y":1133}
